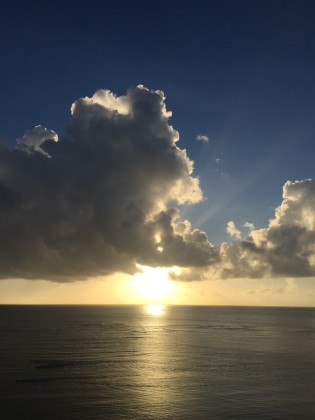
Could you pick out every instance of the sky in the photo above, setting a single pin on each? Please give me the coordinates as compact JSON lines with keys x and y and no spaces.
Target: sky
{"x":157,"y":152}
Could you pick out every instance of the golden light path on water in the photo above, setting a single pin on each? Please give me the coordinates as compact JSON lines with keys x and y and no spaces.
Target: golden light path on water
{"x":155,"y":310}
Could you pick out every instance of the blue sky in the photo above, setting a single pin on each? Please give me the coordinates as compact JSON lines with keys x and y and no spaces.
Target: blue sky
{"x":240,"y":72}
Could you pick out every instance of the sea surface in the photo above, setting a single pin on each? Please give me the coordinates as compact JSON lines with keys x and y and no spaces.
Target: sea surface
{"x":172,"y":362}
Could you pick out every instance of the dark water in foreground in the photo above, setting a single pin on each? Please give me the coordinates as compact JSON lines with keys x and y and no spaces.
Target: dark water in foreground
{"x":120,"y":362}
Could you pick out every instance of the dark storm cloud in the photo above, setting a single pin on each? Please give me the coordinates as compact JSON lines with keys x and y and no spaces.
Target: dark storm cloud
{"x":96,"y":202}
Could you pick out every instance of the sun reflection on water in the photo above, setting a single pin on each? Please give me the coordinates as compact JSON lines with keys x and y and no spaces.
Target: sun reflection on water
{"x":155,"y":310}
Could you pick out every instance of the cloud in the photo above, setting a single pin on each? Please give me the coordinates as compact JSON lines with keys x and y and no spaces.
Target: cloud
{"x":203,"y":138}
{"x":232,"y":230}
{"x":285,"y":248}
{"x":34,"y":139}
{"x":288,"y":286}
{"x":249,"y":225}
{"x":94,"y":202}
{"x":103,"y":199}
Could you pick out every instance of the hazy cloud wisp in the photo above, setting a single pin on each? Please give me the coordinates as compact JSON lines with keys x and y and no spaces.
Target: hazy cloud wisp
{"x":202,"y":137}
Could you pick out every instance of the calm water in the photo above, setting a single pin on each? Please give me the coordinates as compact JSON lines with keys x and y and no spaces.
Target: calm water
{"x":120,"y":362}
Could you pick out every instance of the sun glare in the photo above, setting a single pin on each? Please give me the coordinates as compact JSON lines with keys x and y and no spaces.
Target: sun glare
{"x":152,"y":285}
{"x":155,"y":310}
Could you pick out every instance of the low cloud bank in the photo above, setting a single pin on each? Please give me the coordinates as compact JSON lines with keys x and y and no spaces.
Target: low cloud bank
{"x":285,"y":248}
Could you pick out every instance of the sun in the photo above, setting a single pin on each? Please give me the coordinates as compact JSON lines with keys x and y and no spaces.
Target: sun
{"x":152,"y":284}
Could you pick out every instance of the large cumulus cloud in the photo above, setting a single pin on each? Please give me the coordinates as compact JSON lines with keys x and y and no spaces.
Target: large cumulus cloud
{"x":102,"y":198}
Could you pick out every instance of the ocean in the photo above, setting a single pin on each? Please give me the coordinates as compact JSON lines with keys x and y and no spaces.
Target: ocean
{"x":172,"y":362}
